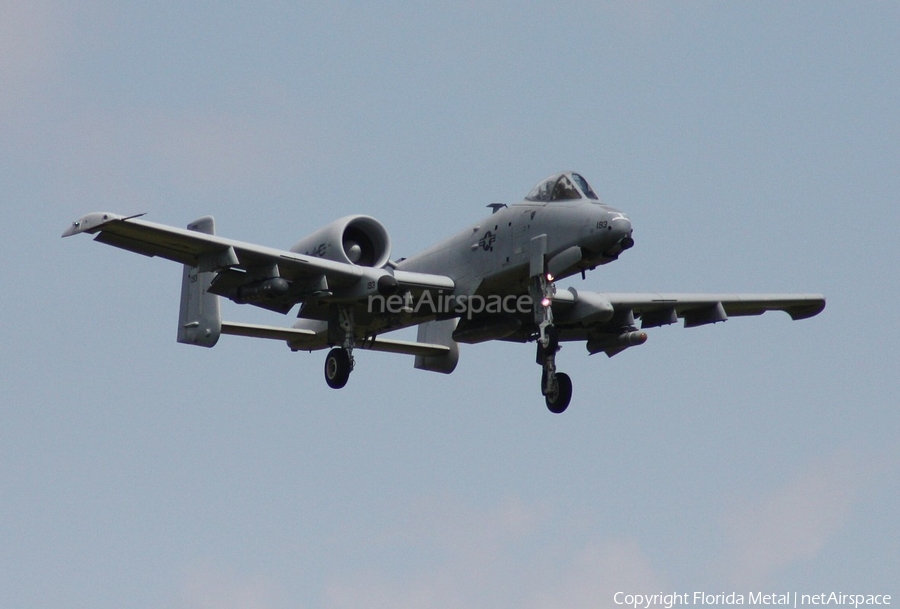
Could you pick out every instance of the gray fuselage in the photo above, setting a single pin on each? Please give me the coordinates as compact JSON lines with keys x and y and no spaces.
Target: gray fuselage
{"x":493,"y":256}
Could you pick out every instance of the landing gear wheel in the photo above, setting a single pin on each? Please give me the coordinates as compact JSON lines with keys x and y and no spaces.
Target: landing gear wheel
{"x":337,"y":368}
{"x":558,"y":399}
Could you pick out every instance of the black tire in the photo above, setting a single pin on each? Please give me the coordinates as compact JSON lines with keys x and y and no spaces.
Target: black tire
{"x":559,"y":400}
{"x":337,"y":368}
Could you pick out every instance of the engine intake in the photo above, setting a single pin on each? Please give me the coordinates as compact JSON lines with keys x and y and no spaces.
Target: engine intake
{"x":359,"y":240}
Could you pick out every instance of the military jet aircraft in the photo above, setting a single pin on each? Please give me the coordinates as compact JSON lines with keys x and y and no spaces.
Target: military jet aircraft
{"x":494,"y":280}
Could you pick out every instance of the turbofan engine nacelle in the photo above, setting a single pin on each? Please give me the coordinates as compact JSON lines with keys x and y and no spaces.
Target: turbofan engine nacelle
{"x":360,"y":240}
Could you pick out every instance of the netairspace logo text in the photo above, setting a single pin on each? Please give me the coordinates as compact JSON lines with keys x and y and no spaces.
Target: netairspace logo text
{"x":785,"y":599}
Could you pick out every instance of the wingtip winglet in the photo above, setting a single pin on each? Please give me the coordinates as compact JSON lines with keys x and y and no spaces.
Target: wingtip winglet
{"x":90,"y":223}
{"x":813,"y":308}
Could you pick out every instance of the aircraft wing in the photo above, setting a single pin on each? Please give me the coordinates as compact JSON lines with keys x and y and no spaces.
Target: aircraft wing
{"x":240,"y":262}
{"x":607,"y":321}
{"x":699,"y":309}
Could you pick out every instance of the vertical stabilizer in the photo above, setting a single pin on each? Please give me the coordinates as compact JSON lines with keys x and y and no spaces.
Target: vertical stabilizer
{"x":199,"y":320}
{"x":440,"y":333}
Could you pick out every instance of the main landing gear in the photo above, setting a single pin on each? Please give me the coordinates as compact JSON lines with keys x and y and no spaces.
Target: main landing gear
{"x":339,"y":361}
{"x":556,"y":387}
{"x":338,"y":365}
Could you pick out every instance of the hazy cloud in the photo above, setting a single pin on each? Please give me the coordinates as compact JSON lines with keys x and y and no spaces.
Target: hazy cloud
{"x":794,"y":522}
{"x":26,"y":31}
{"x":593,"y":576}
{"x":506,"y":555}
{"x":210,"y":154}
{"x":208,"y":588}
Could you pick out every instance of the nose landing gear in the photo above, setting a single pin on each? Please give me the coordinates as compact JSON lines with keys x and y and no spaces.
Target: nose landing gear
{"x":556,"y":387}
{"x":559,"y":394}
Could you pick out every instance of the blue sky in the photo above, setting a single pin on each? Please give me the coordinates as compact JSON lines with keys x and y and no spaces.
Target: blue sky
{"x":755,"y":148}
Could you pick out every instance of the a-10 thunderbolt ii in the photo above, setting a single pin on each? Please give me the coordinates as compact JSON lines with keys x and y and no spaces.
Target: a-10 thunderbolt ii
{"x":494,"y":280}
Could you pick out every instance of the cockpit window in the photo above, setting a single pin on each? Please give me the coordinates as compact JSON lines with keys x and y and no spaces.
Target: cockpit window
{"x":542,"y":191}
{"x":562,"y":187}
{"x":585,"y":187}
{"x":564,"y":190}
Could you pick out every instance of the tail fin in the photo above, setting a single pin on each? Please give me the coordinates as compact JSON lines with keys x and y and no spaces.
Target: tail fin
{"x":441,"y":333}
{"x":200,"y":319}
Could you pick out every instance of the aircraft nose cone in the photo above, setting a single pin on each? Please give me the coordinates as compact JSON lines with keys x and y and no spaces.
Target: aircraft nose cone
{"x":620,"y":229}
{"x":621,"y":225}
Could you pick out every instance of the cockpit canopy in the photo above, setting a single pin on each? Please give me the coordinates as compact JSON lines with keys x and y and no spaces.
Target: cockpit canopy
{"x":565,"y":186}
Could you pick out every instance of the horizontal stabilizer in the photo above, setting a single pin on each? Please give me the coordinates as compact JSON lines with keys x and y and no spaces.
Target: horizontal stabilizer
{"x":273,"y":332}
{"x":404,"y":346}
{"x":298,"y":336}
